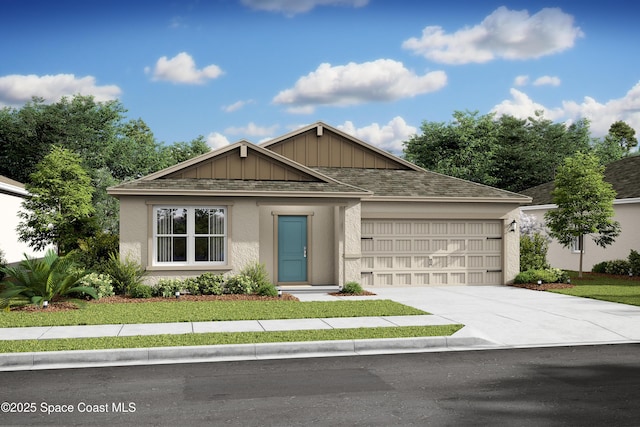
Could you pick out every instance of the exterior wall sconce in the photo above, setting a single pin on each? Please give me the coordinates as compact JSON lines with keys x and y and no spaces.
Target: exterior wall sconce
{"x":513,"y":226}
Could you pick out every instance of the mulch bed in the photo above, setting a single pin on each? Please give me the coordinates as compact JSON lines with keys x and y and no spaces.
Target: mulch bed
{"x":341,"y":294}
{"x":543,"y":287}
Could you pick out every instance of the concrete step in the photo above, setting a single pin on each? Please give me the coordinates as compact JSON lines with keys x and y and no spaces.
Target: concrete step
{"x":321,"y":289}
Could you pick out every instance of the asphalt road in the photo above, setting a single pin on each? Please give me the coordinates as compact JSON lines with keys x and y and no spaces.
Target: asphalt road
{"x":566,"y":386}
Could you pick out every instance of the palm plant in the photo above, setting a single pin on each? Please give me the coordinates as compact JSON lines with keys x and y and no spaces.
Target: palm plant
{"x":37,"y":280}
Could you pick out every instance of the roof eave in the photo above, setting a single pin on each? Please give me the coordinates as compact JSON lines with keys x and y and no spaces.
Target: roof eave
{"x":520,"y":201}
{"x":234,"y":193}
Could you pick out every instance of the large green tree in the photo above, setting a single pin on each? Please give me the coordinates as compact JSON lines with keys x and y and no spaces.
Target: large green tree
{"x":585,"y":204}
{"x":59,"y":211}
{"x":506,"y":152}
{"x":624,"y":135}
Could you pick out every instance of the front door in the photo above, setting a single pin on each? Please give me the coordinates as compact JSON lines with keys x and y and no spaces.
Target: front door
{"x":292,"y":248}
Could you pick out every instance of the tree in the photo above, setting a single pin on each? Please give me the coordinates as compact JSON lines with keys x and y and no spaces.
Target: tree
{"x":59,"y":211}
{"x":624,"y":134}
{"x":585,"y":204}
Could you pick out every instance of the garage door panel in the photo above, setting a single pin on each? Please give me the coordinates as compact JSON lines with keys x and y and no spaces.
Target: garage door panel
{"x":431,"y":252}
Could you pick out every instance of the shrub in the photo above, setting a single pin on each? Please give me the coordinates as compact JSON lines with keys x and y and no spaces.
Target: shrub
{"x":140,"y":291}
{"x":37,"y":280}
{"x":549,"y":275}
{"x":211,"y":284}
{"x":94,"y":252}
{"x":100,"y":282}
{"x":191,"y":286}
{"x":167,"y":287}
{"x":352,"y":288}
{"x":267,"y":290}
{"x":257,"y":273}
{"x":533,"y":252}
{"x":239,"y":284}
{"x":617,"y":267}
{"x":634,"y":262}
{"x":124,"y":274}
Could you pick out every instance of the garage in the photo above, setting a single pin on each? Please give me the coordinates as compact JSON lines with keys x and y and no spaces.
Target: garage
{"x":431,"y":252}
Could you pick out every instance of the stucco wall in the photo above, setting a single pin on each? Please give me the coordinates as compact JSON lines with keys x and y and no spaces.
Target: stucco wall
{"x":625,"y":213}
{"x":14,"y":251}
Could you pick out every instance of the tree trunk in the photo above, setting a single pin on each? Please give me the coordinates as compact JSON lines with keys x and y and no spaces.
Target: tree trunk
{"x":581,"y":241}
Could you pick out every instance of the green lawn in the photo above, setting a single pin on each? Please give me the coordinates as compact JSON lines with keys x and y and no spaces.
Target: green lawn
{"x":19,"y":346}
{"x":620,"y":289}
{"x":202,"y":311}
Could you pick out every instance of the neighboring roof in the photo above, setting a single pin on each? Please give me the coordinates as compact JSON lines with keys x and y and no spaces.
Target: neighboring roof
{"x":419,"y":184}
{"x":10,"y":186}
{"x":623,"y":175}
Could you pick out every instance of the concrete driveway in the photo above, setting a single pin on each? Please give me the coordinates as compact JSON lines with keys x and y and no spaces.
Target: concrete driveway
{"x":514,"y":317}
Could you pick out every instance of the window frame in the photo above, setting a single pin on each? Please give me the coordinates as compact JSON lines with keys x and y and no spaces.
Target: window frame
{"x":190,"y":236}
{"x":577,"y":245}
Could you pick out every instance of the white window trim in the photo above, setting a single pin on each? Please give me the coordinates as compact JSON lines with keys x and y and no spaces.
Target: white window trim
{"x":576,"y":247}
{"x":191,"y":262}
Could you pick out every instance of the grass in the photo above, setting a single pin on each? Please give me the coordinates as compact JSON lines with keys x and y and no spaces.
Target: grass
{"x":620,"y":289}
{"x":203,"y":311}
{"x":19,"y":346}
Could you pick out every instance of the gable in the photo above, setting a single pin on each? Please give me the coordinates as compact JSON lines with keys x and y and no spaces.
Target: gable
{"x":320,"y":145}
{"x":241,"y":163}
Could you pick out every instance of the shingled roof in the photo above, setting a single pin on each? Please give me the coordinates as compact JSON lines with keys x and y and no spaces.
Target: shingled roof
{"x":623,"y":175}
{"x":421,"y":184}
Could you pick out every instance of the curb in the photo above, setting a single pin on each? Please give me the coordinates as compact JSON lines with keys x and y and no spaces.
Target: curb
{"x":239,"y":352}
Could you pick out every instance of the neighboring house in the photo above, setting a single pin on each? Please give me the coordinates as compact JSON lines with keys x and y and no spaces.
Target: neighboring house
{"x":624,"y":176}
{"x":12,"y":193}
{"x":319,"y":207}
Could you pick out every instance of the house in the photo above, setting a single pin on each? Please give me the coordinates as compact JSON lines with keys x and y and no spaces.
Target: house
{"x":319,"y":207}
{"x":624,"y":176}
{"x":12,"y":193}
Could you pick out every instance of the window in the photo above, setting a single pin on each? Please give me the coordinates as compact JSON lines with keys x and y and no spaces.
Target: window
{"x":190,"y":235}
{"x":578,"y":245}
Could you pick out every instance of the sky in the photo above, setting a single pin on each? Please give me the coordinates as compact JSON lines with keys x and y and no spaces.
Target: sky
{"x":377,"y":69}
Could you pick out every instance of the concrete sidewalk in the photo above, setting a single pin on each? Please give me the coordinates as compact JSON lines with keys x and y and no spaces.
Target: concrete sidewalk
{"x":494,"y":317}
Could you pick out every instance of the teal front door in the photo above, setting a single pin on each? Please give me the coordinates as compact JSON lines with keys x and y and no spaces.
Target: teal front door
{"x":292,"y":248}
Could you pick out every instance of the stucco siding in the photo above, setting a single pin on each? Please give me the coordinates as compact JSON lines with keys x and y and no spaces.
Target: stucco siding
{"x":626,"y":214}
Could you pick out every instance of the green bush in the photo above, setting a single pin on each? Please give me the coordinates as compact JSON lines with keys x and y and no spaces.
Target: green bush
{"x":239,"y":284}
{"x":191,"y":286}
{"x":100,"y":282}
{"x":634,"y":262}
{"x":533,"y":252}
{"x":124,"y":274}
{"x":211,"y":284}
{"x":140,"y":291}
{"x":619,"y":267}
{"x":549,"y":275}
{"x":94,"y":252}
{"x":257,"y":273}
{"x":267,"y":290}
{"x":37,"y":280}
{"x":167,"y":287}
{"x":352,"y":288}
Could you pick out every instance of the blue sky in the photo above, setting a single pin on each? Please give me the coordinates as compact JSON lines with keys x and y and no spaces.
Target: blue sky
{"x":255,"y":69}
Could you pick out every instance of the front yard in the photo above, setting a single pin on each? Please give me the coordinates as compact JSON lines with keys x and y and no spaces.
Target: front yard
{"x":622,"y":289}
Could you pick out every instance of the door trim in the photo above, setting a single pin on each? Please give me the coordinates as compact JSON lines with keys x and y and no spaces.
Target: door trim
{"x":276,"y":215}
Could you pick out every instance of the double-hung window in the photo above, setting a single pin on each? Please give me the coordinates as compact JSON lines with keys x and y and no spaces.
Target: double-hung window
{"x":189,"y":235}
{"x":577,"y":245}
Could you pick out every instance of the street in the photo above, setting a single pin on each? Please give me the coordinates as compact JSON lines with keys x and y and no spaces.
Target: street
{"x":561,"y":386}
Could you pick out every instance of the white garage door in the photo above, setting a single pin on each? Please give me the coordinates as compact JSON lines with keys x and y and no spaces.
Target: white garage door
{"x":431,"y":252}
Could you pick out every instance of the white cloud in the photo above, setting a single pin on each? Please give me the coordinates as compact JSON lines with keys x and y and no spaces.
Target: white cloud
{"x":506,"y":34}
{"x":252,"y":130}
{"x":293,"y":7}
{"x":521,"y":80}
{"x":523,"y":107}
{"x":182,"y":69}
{"x":216,"y":140}
{"x":380,"y":80}
{"x":237,"y":105}
{"x":18,"y":89}
{"x":547,"y":81}
{"x":600,"y":115}
{"x":388,"y":137}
